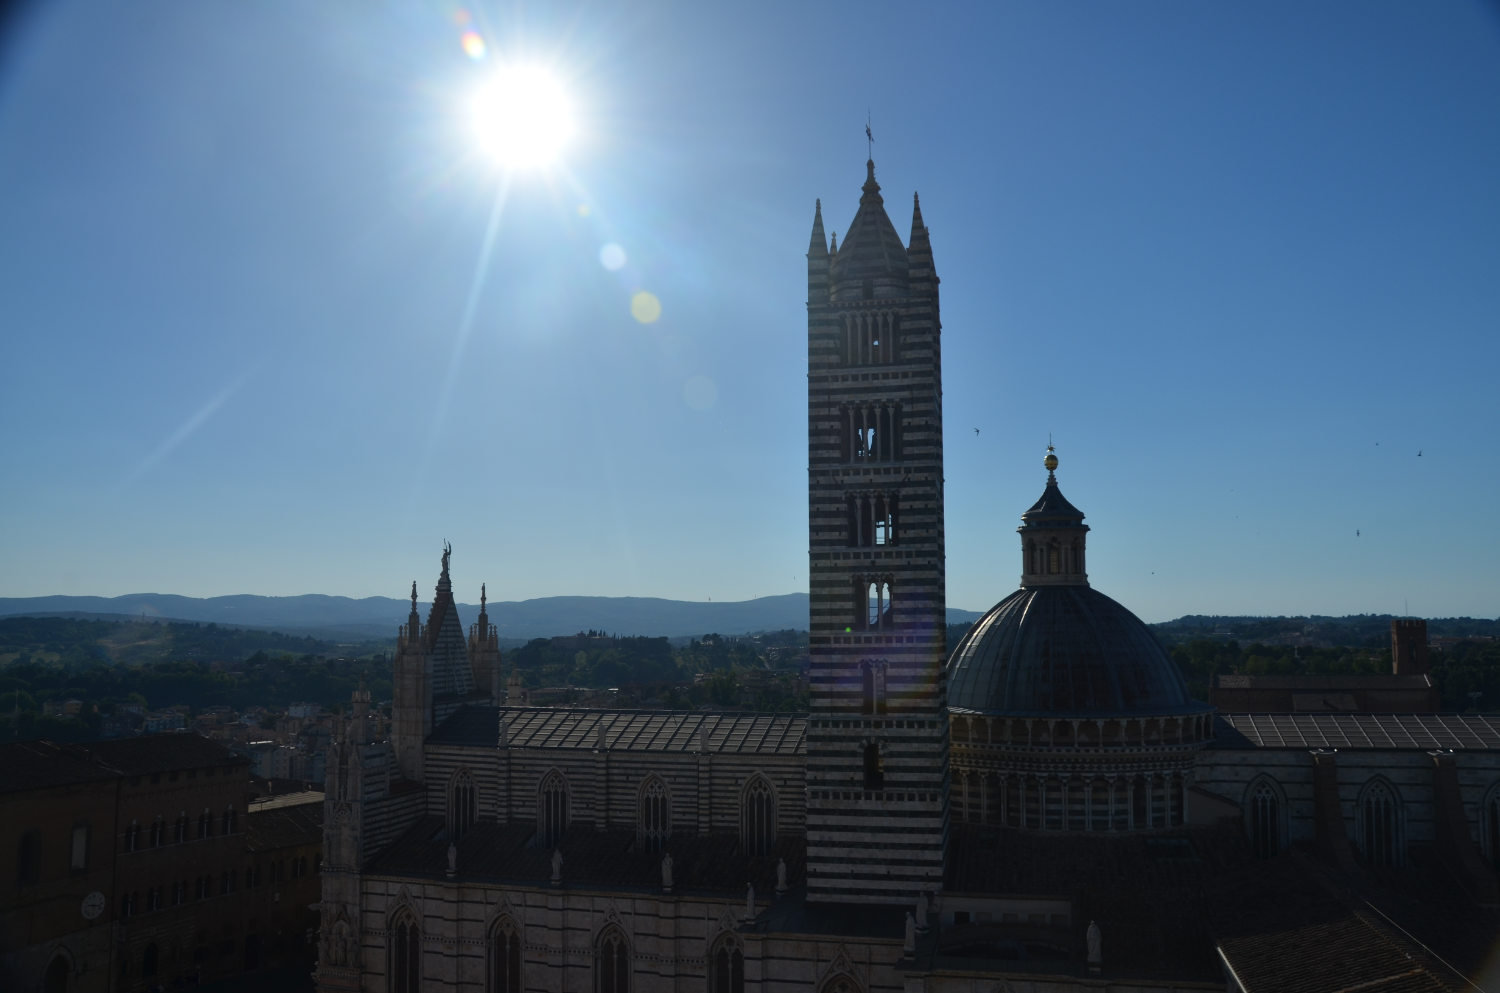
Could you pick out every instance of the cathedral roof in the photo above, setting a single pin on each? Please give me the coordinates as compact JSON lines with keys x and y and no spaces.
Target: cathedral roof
{"x":626,"y":730}
{"x":1065,"y":650}
{"x":872,"y":250}
{"x":1417,"y":732}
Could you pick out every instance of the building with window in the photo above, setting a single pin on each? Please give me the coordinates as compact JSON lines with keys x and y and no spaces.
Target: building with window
{"x":1045,"y":808}
{"x":141,"y":863}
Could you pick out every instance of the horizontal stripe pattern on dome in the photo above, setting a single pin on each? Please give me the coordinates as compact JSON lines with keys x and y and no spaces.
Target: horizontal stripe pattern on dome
{"x":1065,"y":650}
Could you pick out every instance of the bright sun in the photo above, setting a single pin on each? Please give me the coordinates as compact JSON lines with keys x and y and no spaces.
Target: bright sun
{"x":523,"y":117}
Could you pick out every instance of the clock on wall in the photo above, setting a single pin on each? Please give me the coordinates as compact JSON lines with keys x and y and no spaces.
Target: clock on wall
{"x":93,"y":905}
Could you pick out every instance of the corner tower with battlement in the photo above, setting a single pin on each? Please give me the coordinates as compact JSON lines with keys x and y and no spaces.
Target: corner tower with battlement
{"x":877,"y":738}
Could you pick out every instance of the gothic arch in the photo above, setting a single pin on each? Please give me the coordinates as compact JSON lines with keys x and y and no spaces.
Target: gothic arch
{"x":653,"y":825}
{"x":463,"y":803}
{"x":1265,"y":811}
{"x":757,"y":815}
{"x":841,"y":983}
{"x":1489,"y":824}
{"x":612,"y":960}
{"x":62,"y":967}
{"x":553,"y":803}
{"x":404,"y":952}
{"x":1380,"y":823}
{"x":726,"y":964}
{"x":504,"y":955}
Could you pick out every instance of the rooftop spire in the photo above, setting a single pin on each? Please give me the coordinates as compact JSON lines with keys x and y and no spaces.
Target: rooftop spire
{"x":818,"y":246}
{"x":871,"y":188}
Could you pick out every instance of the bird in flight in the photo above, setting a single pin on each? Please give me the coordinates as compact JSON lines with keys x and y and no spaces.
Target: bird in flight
{"x":976,"y":432}
{"x":1356,"y":532}
{"x":1419,"y":453}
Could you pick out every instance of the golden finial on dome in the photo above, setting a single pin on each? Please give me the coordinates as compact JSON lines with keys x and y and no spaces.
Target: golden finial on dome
{"x":1051,"y":460}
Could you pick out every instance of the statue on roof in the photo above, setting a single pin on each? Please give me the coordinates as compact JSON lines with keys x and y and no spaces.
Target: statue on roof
{"x":447,"y":551}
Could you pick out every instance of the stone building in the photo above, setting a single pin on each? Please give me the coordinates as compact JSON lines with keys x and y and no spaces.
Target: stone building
{"x":1046,"y":809}
{"x":142,"y":862}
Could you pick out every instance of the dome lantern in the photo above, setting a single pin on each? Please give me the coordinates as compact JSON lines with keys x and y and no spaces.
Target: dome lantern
{"x":1053,"y":537}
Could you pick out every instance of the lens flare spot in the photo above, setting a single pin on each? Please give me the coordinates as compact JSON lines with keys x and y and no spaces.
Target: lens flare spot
{"x":583,"y":210}
{"x":473,"y":45}
{"x":612,"y":257}
{"x":645,"y":308}
{"x":462,"y":17}
{"x":700,"y":393}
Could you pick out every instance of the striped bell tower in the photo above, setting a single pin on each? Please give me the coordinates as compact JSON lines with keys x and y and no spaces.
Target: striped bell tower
{"x":877,"y":745}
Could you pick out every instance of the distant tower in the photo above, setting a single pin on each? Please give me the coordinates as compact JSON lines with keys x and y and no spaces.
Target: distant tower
{"x":877,"y":770}
{"x":432,"y":674}
{"x":1409,"y":647}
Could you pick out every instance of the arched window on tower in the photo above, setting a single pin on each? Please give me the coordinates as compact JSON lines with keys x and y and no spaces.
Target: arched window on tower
{"x":1264,"y":810}
{"x":461,"y":804}
{"x":612,"y":962}
{"x":726,"y":966}
{"x":758,"y":816}
{"x":872,"y":675}
{"x":505,"y":957}
{"x":873,"y":609}
{"x":654,"y":820}
{"x":404,"y":955}
{"x":874,"y":767}
{"x":1378,"y":824}
{"x":551,"y":809}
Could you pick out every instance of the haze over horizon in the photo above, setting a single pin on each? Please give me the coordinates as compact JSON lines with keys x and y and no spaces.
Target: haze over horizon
{"x":277,"y":324}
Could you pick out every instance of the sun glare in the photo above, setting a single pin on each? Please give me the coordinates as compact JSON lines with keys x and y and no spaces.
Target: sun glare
{"x":522,"y":117}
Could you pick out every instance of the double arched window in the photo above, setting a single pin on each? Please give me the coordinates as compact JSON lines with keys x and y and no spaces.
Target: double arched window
{"x":551,"y":809}
{"x":726,"y":966}
{"x":461,"y":804}
{"x":404,"y":954}
{"x":612,"y":962}
{"x":757,"y":816}
{"x":505,"y":957}
{"x":654,"y":821}
{"x":1378,"y":824}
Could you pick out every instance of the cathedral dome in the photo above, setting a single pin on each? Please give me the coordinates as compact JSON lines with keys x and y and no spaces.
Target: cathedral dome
{"x":1064,"y":650}
{"x":1057,"y":646}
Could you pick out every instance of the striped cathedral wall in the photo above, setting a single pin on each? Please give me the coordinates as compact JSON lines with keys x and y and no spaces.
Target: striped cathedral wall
{"x":670,"y":939}
{"x":705,"y":789}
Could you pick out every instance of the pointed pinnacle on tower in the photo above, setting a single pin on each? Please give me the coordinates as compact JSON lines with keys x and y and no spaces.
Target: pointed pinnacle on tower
{"x":818,"y":246}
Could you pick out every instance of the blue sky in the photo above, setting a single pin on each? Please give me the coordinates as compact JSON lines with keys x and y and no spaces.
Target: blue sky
{"x":267,"y":331}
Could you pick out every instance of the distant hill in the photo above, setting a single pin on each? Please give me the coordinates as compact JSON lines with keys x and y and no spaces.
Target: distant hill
{"x":337,"y":617}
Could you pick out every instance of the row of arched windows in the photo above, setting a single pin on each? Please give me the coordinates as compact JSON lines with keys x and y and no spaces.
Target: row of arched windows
{"x":654,"y":804}
{"x":156,"y":834}
{"x":504,"y":959}
{"x":1079,"y":803}
{"x":1379,"y":820}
